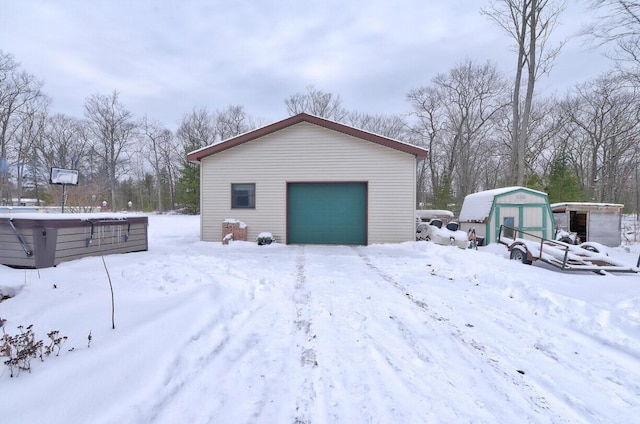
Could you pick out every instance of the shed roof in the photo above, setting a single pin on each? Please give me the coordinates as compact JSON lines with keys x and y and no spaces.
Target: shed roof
{"x":199,"y":154}
{"x":564,"y":206}
{"x":433,"y":213}
{"x":477,"y":206}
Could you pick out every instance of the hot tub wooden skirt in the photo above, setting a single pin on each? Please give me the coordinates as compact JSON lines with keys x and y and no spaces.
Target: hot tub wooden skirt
{"x":34,"y":242}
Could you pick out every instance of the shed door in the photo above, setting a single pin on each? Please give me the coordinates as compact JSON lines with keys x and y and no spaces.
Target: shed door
{"x":327,"y":213}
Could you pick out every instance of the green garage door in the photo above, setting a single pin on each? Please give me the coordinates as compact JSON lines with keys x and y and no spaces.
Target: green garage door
{"x":327,"y":213}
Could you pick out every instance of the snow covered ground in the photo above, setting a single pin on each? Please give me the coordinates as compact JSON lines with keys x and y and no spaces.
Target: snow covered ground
{"x":407,"y":333}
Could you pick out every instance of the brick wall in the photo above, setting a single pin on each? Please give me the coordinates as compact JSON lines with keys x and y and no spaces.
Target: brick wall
{"x":237,"y":229}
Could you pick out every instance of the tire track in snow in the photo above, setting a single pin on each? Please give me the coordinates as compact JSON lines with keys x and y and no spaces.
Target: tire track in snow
{"x":307,"y":340}
{"x":179,"y":369}
{"x":471,"y":351}
{"x":350,"y":372}
{"x":434,"y":343}
{"x":546,"y":343}
{"x":303,"y":319}
{"x":202,"y":344}
{"x":219,"y":347}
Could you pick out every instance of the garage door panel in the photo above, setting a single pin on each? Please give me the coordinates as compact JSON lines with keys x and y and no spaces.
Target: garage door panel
{"x":327,"y":213}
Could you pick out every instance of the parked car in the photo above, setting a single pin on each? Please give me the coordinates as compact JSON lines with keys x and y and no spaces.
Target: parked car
{"x":439,"y":233}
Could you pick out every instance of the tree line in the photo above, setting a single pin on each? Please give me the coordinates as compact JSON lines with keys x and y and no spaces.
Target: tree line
{"x":483,"y":128}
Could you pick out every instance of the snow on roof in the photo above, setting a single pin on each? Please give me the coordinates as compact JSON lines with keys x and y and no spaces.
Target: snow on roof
{"x":590,"y":205}
{"x":39,"y":216}
{"x":235,"y":221}
{"x":433,"y":213}
{"x":477,"y":206}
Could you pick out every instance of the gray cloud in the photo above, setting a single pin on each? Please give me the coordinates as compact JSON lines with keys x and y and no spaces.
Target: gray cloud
{"x":168,"y":57}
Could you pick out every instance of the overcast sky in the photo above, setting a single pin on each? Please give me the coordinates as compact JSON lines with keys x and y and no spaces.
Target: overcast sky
{"x":167,"y":57}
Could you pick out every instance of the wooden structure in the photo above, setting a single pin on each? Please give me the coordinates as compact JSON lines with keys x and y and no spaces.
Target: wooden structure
{"x":592,"y":222}
{"x":44,"y":240}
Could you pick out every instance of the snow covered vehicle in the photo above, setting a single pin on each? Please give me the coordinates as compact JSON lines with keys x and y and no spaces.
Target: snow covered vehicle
{"x":574,"y":239}
{"x":439,"y":233}
{"x":567,"y":237}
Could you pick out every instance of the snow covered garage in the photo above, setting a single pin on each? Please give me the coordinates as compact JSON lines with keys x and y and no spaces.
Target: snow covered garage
{"x":594,"y":222}
{"x":516,"y":207}
{"x":309,"y":180}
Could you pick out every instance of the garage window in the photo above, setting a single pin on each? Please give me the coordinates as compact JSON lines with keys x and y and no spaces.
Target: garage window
{"x":243,"y":196}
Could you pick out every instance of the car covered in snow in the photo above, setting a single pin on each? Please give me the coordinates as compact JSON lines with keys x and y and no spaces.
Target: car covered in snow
{"x":440,"y":233}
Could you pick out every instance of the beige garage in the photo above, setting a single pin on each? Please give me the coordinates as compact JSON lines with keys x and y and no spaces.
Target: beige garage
{"x":306,"y":175}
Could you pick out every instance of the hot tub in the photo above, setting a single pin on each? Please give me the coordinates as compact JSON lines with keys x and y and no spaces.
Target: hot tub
{"x":34,"y":240}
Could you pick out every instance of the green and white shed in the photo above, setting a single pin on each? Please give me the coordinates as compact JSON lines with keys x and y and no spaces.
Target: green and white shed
{"x":517,"y":207}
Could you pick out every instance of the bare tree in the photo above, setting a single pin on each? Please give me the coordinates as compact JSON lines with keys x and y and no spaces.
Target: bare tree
{"x":232,"y":121}
{"x":316,"y":102}
{"x":112,"y":131}
{"x":200,"y":129}
{"x":603,"y":120}
{"x":197,"y":130}
{"x":170,"y":157}
{"x":392,"y":126}
{"x":455,"y":117}
{"x":28,"y":134}
{"x":545,"y":141}
{"x":64,"y":144}
{"x":530,"y":24}
{"x":156,"y":142}
{"x":18,"y":89}
{"x":618,"y":22}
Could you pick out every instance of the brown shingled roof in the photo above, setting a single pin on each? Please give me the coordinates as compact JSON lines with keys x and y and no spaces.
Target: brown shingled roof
{"x":199,"y":154}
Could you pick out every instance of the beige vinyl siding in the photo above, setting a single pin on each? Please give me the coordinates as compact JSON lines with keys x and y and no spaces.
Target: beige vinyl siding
{"x":308,"y":153}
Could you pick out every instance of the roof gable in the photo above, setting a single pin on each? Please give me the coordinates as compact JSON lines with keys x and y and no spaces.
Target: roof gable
{"x":199,"y":154}
{"x":477,"y":206}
